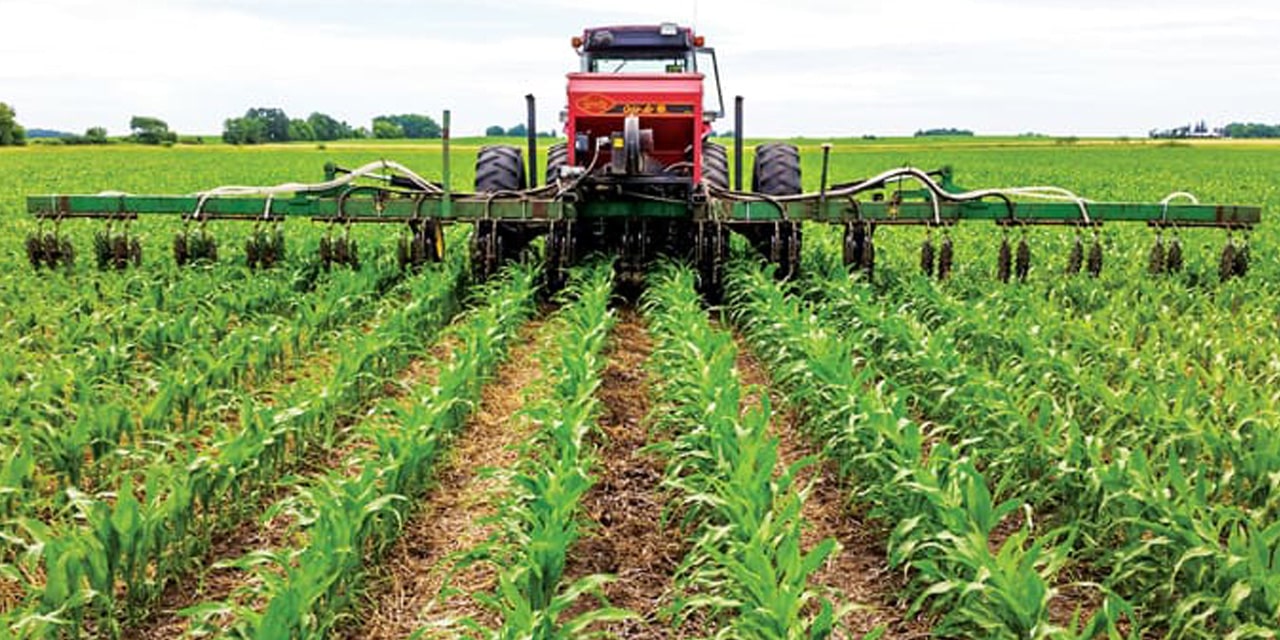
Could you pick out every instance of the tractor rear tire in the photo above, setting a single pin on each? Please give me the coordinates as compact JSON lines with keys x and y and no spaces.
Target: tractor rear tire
{"x":557,"y":156}
{"x":499,"y":168}
{"x":776,"y":171}
{"x":715,"y":165}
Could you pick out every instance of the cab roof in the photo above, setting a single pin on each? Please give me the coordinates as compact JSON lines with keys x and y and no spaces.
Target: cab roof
{"x":637,"y":38}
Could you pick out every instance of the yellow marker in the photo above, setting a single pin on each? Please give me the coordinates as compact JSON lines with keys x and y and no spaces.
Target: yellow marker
{"x":617,"y":143}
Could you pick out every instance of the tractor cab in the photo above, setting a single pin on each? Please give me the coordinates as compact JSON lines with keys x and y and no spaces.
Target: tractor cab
{"x":640,"y":108}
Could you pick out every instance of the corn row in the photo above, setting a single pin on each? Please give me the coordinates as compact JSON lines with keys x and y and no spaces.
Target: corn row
{"x":746,"y":567}
{"x":1133,"y":481}
{"x":350,"y":518}
{"x":539,"y":520}
{"x":109,"y":419}
{"x":910,"y":474}
{"x":134,"y":540}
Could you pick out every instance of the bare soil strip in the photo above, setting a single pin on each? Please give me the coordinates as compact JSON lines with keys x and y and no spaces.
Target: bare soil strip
{"x":405,"y":590}
{"x":859,"y":574}
{"x":625,"y":537}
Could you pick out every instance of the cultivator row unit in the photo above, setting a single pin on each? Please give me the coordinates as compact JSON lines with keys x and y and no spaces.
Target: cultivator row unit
{"x":639,"y":179}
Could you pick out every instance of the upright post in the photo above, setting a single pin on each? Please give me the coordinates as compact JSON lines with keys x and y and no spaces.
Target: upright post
{"x":446,"y":207}
{"x":532,"y":133}
{"x":737,"y":143}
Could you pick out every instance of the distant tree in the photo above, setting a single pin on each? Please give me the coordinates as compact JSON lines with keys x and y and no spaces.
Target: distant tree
{"x":148,"y":130}
{"x":361,"y":133}
{"x":11,"y":133}
{"x":95,"y":135}
{"x":275,"y":121}
{"x":328,"y":128}
{"x":943,"y":132}
{"x":244,"y":131}
{"x":495,"y":131}
{"x":412,"y":125}
{"x":301,"y":130}
{"x":1250,"y":130}
{"x":385,"y":129}
{"x":517,"y":131}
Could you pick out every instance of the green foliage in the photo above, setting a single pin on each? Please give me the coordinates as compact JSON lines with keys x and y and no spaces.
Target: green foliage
{"x":495,"y":130}
{"x":539,"y":522}
{"x":327,"y":128}
{"x":387,"y":130}
{"x":11,"y":133}
{"x":301,"y":130}
{"x":95,"y":135}
{"x":148,"y":130}
{"x":409,"y":125}
{"x":948,"y":131}
{"x":746,"y":565}
{"x":263,"y":125}
{"x":1251,"y":130}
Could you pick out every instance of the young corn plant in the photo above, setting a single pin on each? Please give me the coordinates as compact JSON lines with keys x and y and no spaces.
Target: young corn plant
{"x":349,"y":519}
{"x":746,"y":568}
{"x":906,"y":472}
{"x":541,"y":518}
{"x":144,"y":542}
{"x":1114,"y":497}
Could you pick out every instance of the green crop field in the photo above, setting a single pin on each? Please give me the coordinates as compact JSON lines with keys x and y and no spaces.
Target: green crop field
{"x":296,"y":452}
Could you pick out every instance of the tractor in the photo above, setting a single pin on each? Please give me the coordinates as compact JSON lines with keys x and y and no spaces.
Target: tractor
{"x":638,"y":178}
{"x":640,"y":110}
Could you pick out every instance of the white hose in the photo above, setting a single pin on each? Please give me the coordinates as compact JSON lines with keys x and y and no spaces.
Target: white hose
{"x":297,"y":187}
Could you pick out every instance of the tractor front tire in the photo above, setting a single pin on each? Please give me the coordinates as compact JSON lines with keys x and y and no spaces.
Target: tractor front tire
{"x":715,"y":165}
{"x":557,"y":156}
{"x":499,"y":168}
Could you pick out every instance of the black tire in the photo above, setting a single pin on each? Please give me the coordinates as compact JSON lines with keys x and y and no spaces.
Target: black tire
{"x":715,"y":165}
{"x":776,"y":170}
{"x":557,"y":156}
{"x":499,"y":168}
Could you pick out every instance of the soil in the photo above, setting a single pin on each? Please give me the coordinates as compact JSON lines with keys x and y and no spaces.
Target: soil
{"x":626,"y":537}
{"x":412,"y":588}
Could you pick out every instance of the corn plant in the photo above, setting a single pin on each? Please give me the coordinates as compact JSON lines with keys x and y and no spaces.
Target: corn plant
{"x":201,"y":492}
{"x":909,"y":474}
{"x":348,"y":519}
{"x":539,"y":520}
{"x":746,"y":566}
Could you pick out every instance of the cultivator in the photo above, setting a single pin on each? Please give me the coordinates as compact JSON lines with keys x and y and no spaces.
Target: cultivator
{"x":639,"y":179}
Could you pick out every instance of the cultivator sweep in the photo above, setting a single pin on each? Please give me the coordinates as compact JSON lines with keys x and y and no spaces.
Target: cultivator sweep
{"x":638,"y":179}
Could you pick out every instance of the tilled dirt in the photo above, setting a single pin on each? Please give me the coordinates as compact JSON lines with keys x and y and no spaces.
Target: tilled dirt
{"x":859,"y":574}
{"x":404,"y":592}
{"x":626,"y":537}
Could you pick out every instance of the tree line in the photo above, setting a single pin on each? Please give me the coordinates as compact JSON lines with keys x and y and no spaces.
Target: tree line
{"x":268,"y":124}
{"x":517,"y":131}
{"x":142,"y":130}
{"x":1251,"y":130}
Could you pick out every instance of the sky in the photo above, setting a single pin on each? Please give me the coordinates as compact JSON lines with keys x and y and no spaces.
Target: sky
{"x":806,"y":67}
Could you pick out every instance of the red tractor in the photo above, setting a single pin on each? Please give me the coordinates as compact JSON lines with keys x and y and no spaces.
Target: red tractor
{"x":640,"y":110}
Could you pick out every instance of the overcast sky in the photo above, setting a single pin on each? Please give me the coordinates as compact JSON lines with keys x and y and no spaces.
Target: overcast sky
{"x":806,"y":67}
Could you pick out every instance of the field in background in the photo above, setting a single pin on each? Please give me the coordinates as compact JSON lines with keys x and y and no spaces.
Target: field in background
{"x":1007,"y":448}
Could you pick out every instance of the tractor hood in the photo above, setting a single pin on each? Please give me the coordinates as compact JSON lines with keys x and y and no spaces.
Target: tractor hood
{"x":642,"y":94}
